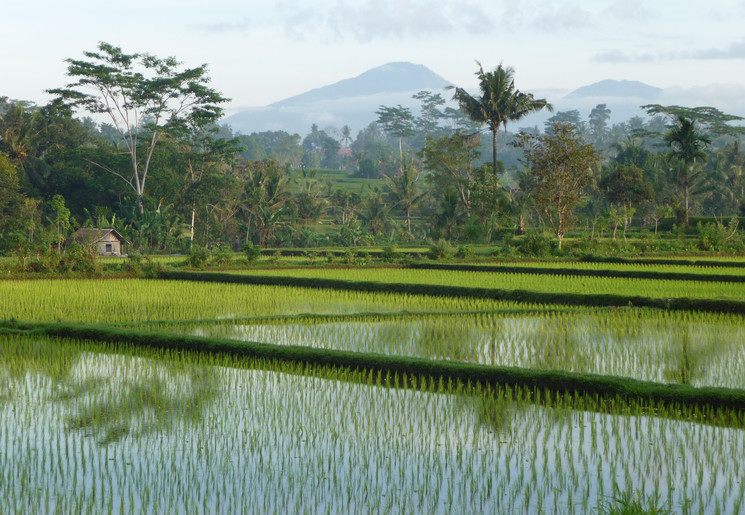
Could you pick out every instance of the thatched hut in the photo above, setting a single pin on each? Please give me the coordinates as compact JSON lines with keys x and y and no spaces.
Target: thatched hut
{"x":109,"y":242}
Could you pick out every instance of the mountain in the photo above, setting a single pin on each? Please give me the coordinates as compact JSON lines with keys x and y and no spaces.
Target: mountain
{"x":389,"y":78}
{"x":616,"y":88}
{"x":350,"y":102}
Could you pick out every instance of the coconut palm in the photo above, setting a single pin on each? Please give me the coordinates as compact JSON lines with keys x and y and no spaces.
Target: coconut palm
{"x":403,"y":190}
{"x":687,"y":145}
{"x":499,"y":102}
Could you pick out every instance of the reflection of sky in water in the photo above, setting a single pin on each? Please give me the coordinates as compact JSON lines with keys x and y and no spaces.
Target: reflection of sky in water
{"x":642,"y":348}
{"x":270,"y":441}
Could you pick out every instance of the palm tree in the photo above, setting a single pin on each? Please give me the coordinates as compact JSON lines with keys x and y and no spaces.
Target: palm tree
{"x":687,"y":144}
{"x":499,"y":102}
{"x":404,"y":192}
{"x":346,"y":136}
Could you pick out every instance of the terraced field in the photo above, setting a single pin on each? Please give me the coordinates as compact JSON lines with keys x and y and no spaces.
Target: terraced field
{"x":191,"y":396}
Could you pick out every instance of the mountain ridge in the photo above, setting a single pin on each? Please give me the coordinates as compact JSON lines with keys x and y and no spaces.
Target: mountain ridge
{"x":387,"y":78}
{"x":355,"y":100}
{"x":616,"y":88}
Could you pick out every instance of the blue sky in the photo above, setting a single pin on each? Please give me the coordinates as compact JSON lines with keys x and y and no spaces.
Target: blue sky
{"x":263,"y":51}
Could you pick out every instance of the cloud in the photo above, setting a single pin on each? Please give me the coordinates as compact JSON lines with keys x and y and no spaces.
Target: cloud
{"x":733,"y":51}
{"x":616,"y":56}
{"x":399,"y":19}
{"x":632,"y":10}
{"x":729,"y":98}
{"x":532,"y":14}
{"x":366,"y":20}
{"x":232,"y":26}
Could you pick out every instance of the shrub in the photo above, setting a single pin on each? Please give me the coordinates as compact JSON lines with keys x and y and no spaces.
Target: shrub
{"x":440,"y":250}
{"x":389,"y":253}
{"x":251,"y":252}
{"x":222,"y":256}
{"x":198,"y":256}
{"x":535,"y":244}
{"x":464,"y":252}
{"x":81,"y":258}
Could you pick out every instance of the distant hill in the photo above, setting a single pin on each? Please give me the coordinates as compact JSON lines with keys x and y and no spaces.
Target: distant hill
{"x":354,"y":101}
{"x":350,"y":102}
{"x":389,"y":78}
{"x":616,"y":88}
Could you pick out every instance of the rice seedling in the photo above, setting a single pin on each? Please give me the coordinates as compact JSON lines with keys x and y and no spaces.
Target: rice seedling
{"x":532,"y":282}
{"x":134,"y":300}
{"x":293,"y":438}
{"x":107,"y":427}
{"x":671,"y":347}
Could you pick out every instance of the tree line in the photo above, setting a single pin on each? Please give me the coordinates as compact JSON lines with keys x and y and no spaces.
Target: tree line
{"x":150,"y":158}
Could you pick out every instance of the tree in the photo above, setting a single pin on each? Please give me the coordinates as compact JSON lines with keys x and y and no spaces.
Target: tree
{"x":687,"y":144}
{"x":710,"y":119}
{"x":11,"y":197}
{"x":598,"y":122}
{"x":430,"y":112}
{"x":450,"y":159}
{"x":404,"y":192}
{"x":61,"y":219}
{"x":346,"y":136}
{"x":145,"y":97}
{"x":499,"y":102}
{"x":265,"y":195}
{"x":626,"y":185}
{"x":397,"y":121}
{"x":564,"y":117}
{"x":560,"y":164}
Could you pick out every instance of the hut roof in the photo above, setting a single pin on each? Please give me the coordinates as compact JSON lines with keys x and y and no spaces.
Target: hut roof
{"x":94,"y":235}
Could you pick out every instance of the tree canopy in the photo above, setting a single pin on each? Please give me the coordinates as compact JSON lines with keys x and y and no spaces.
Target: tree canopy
{"x":499,"y":102}
{"x":142,"y":95}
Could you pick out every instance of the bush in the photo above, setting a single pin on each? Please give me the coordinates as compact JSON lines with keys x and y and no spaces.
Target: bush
{"x":133,"y":264}
{"x":535,"y":244}
{"x":389,"y":253}
{"x":440,"y":250}
{"x":717,"y":236}
{"x":151,"y":268}
{"x":81,"y":258}
{"x":198,"y":256}
{"x":251,"y":252}
{"x":464,"y":252}
{"x":349,"y":257}
{"x":222,"y":256}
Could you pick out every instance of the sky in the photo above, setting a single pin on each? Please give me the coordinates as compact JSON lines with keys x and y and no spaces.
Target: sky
{"x":262,"y":51}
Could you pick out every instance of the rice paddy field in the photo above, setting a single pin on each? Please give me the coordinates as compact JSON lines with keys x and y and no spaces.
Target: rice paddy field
{"x":88,"y":426}
{"x":521,"y":281}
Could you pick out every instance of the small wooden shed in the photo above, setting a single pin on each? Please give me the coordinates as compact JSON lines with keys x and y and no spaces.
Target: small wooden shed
{"x":109,"y":242}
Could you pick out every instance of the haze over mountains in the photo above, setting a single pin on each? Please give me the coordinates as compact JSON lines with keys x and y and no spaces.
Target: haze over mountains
{"x":354,"y":101}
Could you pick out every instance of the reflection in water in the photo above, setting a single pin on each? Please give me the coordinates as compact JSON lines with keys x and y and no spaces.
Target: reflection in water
{"x":701,"y":350}
{"x":214,"y":437}
{"x":109,"y":400}
{"x":21,"y":355}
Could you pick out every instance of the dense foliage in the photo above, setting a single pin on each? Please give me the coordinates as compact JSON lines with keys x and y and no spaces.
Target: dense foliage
{"x":418,"y":176}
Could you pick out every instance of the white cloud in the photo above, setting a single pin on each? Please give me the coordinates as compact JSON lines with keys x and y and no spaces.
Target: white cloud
{"x":619,"y":56}
{"x":733,"y":51}
{"x":632,"y":10}
{"x":529,"y":15}
{"x":367,"y":20}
